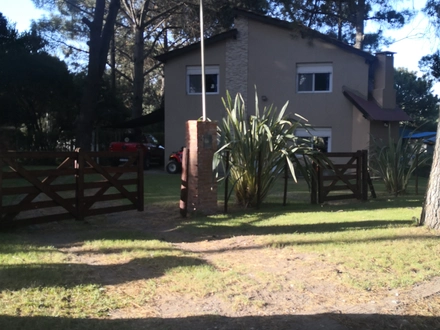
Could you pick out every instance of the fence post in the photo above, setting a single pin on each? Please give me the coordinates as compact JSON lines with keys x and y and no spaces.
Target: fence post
{"x":313,"y":183}
{"x":364,"y":184}
{"x":417,"y":174}
{"x":370,"y":184}
{"x":184,"y":184}
{"x":1,"y":185}
{"x":259,"y":180}
{"x":225,"y":210}
{"x":140,"y":180}
{"x":359,"y":175}
{"x":285,"y":184}
{"x":79,"y":166}
{"x":320,"y":174}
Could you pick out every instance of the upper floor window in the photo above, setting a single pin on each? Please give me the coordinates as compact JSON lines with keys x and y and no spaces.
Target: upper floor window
{"x":194,"y":79}
{"x":314,"y":78}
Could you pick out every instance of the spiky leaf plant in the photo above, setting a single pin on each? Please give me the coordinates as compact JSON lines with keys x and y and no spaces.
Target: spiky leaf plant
{"x":262,"y":143}
{"x":395,"y":161}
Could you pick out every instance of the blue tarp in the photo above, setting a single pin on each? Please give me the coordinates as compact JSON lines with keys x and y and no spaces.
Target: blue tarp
{"x":430,"y":140}
{"x":420,"y":135}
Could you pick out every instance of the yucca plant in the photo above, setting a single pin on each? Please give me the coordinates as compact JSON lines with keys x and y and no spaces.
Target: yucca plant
{"x":261,"y":143}
{"x":395,"y":161}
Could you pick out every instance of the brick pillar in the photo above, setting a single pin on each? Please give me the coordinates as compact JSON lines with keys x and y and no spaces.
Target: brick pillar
{"x":201,"y":140}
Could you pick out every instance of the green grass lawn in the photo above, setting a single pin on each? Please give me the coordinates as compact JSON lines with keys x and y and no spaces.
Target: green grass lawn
{"x":377,"y":245}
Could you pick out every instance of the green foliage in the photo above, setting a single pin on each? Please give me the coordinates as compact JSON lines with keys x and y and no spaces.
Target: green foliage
{"x":40,"y":98}
{"x":36,"y":91}
{"x":430,"y":65}
{"x":344,"y":19}
{"x":261,"y":143}
{"x":414,"y":96}
{"x":395,"y":162}
{"x":432,"y":10}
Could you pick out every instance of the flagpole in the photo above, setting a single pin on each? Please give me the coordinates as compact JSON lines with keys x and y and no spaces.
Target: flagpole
{"x":202,"y":53}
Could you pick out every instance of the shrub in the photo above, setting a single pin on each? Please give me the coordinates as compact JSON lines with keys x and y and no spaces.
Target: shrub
{"x":263,"y":142}
{"x":395,"y":161}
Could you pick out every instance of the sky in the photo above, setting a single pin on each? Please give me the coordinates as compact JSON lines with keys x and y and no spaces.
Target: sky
{"x":414,"y":41}
{"x":20,"y":11}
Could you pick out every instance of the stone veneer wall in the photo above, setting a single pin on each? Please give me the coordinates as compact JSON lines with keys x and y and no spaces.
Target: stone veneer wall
{"x":237,"y":60}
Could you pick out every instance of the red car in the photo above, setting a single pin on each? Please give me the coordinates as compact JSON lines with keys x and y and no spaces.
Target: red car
{"x":153,"y":151}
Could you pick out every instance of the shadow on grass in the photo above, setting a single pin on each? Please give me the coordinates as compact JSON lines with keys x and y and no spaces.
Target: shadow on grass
{"x":211,"y":230}
{"x":347,"y":205}
{"x":326,"y":321}
{"x":285,"y":243}
{"x":66,"y":234}
{"x":198,"y":229}
{"x":16,"y":277}
{"x":168,"y":226}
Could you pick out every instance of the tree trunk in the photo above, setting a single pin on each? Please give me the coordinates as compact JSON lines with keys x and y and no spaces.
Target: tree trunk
{"x":99,"y":43}
{"x":138,"y":83}
{"x":360,"y":14}
{"x":431,"y":209}
{"x":340,"y":21}
{"x":113,"y":64}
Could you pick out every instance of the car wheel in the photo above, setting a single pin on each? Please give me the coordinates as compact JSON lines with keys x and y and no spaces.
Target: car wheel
{"x":172,"y":167}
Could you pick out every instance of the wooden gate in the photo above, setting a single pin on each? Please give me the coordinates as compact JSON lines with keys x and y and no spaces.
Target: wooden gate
{"x":345,"y":178}
{"x":78,"y":187}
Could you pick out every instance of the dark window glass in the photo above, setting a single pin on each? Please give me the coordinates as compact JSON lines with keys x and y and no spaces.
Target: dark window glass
{"x":211,"y":83}
{"x":195,"y":83}
{"x":322,"y":81}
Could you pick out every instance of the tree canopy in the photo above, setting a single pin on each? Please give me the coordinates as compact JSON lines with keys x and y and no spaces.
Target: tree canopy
{"x":345,"y":19}
{"x":36,"y":89}
{"x":40,"y":97}
{"x":415,"y":96}
{"x":430,"y":64}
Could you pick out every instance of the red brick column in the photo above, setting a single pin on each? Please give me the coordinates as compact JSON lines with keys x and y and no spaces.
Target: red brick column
{"x":201,"y":140}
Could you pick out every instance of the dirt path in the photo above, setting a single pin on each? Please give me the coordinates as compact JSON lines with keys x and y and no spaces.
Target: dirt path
{"x":317,"y":290}
{"x":297,"y":291}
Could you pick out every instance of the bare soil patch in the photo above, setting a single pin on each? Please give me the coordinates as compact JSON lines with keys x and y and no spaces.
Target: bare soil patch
{"x":303,"y":291}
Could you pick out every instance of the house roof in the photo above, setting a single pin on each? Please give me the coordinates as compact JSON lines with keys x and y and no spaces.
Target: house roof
{"x":304,"y":31}
{"x":372,"y":111}
{"x":195,"y":46}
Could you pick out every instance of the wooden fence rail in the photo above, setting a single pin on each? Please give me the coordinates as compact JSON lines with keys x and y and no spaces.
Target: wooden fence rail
{"x":78,"y":187}
{"x":347,"y":176}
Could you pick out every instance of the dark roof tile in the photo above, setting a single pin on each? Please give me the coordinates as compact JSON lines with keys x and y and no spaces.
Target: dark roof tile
{"x":304,"y":31}
{"x":372,"y":111}
{"x":196,"y":46}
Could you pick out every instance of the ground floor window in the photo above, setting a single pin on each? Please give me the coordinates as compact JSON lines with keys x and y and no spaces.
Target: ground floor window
{"x":320,"y":138}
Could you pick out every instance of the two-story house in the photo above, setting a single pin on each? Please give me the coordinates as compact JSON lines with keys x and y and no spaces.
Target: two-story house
{"x":346,"y":94}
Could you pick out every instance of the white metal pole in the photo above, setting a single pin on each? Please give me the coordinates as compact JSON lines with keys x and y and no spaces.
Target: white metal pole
{"x":202,"y":52}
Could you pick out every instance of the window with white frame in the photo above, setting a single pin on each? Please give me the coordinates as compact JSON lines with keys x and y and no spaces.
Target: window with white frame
{"x":320,"y":138}
{"x":194,"y":79}
{"x":314,"y":78}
